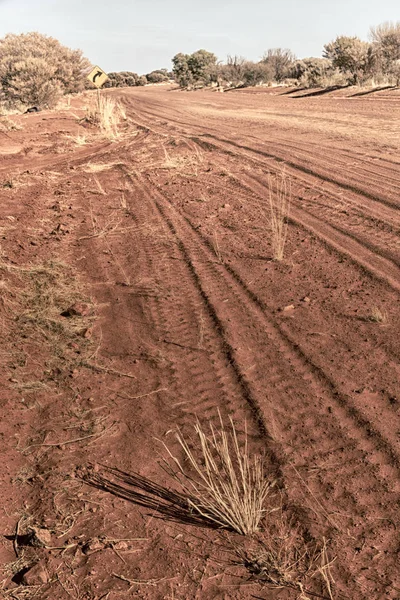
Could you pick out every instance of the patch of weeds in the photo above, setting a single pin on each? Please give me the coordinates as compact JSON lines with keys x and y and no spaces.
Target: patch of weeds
{"x":39,"y":295}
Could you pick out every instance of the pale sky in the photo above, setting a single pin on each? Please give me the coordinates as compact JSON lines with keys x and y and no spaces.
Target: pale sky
{"x":143,"y":35}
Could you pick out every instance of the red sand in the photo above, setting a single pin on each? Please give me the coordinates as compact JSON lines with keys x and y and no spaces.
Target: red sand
{"x":183,"y":314}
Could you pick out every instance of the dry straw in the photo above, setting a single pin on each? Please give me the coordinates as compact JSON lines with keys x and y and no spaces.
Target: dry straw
{"x":107,"y":114}
{"x":224,"y":485}
{"x":279,"y":204}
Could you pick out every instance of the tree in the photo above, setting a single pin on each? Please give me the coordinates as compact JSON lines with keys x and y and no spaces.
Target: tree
{"x":256,"y":73}
{"x":234,"y":70}
{"x":386,"y":48}
{"x":351,"y":55}
{"x":199,"y":67}
{"x":36,"y":69}
{"x":279,"y":60}
{"x":183,"y":75}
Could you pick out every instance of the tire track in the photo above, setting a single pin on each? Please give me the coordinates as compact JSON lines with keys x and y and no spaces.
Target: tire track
{"x":296,"y":383}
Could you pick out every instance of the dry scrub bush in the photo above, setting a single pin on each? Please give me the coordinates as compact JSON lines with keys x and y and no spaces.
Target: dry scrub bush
{"x":37,"y":70}
{"x":107,"y":114}
{"x":279,"y":204}
{"x":225,"y":485}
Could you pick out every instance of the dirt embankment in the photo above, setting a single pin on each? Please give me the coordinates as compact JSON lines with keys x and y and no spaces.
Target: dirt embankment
{"x":139,"y":292}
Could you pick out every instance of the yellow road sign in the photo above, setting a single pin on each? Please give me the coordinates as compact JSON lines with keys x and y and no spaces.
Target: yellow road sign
{"x":97,"y":76}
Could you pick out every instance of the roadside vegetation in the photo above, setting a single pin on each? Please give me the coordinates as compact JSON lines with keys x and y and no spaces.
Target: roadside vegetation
{"x":346,"y":61}
{"x":36,"y":70}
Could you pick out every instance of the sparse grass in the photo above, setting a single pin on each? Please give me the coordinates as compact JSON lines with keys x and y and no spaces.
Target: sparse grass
{"x":79,"y":140}
{"x":281,"y":559}
{"x":186,"y":165}
{"x":106,"y":114}
{"x":279,"y":204}
{"x":38,"y":294}
{"x":216,"y":247}
{"x":225,"y":484}
{"x":7,"y":124}
{"x":378,"y":315}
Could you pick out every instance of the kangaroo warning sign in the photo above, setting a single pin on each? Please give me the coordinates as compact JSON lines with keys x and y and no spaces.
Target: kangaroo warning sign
{"x":97,"y":76}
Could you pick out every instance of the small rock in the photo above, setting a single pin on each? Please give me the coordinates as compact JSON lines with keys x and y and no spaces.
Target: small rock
{"x":122,"y":545}
{"x":36,"y":575}
{"x":39,"y":538}
{"x":92,"y":546}
{"x":86,"y":333}
{"x":288,"y":308}
{"x":306,"y":299}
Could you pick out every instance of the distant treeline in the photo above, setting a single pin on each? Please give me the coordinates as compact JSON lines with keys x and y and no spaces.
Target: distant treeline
{"x":129,"y":79}
{"x":36,"y":69}
{"x":346,"y":61}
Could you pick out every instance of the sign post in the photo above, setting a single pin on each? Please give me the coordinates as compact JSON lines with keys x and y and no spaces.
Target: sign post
{"x":98,"y":77}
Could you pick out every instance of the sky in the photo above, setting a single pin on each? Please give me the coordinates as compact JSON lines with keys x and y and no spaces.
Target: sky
{"x":143,"y":35}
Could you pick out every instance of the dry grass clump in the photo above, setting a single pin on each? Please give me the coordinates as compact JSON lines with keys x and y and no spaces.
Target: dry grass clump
{"x":281,"y":559}
{"x":279,"y":204}
{"x":225,"y":484}
{"x":106,"y":114}
{"x":378,"y":316}
{"x":79,"y":140}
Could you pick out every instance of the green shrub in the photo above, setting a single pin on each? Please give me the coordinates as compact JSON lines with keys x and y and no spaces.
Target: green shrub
{"x":158,"y":76}
{"x":198,"y":68}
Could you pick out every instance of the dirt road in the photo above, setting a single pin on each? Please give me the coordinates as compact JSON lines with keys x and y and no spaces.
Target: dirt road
{"x":140,"y":291}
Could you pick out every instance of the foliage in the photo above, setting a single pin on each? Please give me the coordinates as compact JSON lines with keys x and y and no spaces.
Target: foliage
{"x":239,"y":72}
{"x":279,"y":60}
{"x":196,"y":68}
{"x":158,"y":76}
{"x":313,"y":72}
{"x":36,"y":69}
{"x":124,"y":79}
{"x":351,"y":56}
{"x":386,"y":50}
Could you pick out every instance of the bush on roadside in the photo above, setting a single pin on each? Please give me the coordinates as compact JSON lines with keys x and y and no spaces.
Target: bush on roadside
{"x":197,"y":69}
{"x":352,"y":57}
{"x":239,"y":72}
{"x":36,"y":69}
{"x":158,"y":76}
{"x":280,"y":61}
{"x":315,"y":72}
{"x":124,"y":79}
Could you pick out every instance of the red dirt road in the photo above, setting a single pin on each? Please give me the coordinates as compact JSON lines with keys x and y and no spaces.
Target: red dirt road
{"x":161,"y":242}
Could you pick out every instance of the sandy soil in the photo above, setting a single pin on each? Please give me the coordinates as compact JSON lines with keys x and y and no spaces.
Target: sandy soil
{"x":139,"y":291}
